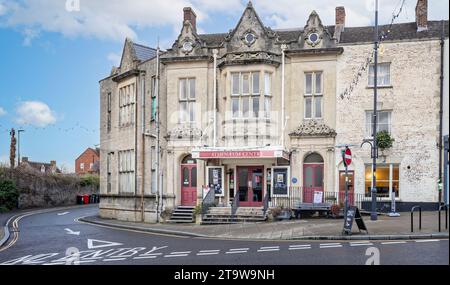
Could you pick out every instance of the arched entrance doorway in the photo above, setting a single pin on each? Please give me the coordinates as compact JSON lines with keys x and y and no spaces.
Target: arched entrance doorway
{"x":188,"y":181}
{"x":312,"y":176}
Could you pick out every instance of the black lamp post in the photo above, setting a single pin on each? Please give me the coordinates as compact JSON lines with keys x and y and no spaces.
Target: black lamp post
{"x":18,"y":145}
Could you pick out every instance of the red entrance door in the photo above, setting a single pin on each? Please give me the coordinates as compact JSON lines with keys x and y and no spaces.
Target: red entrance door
{"x":188,"y":184}
{"x":313,"y":181}
{"x":250,"y":185}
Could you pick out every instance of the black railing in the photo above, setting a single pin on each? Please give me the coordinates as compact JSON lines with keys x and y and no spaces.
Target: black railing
{"x":208,"y":201}
{"x":266,"y":203}
{"x":412,"y":217}
{"x":446,"y":216}
{"x":297,"y":195}
{"x":235,"y":205}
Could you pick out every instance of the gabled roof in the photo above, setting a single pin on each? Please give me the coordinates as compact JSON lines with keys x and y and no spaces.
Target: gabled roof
{"x":143,"y":53}
{"x":403,"y":31}
{"x":88,"y":149}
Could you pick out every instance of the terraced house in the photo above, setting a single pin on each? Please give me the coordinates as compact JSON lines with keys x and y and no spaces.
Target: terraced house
{"x":252,"y":118}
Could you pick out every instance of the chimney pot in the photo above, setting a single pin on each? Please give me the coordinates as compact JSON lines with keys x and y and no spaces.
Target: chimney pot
{"x":340,"y":16}
{"x":422,"y":15}
{"x":53,"y":162}
{"x":189,"y":15}
{"x":24,"y":159}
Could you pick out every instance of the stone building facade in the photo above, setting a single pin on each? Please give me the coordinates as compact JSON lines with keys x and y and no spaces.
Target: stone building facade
{"x":258,"y":114}
{"x":88,"y":162}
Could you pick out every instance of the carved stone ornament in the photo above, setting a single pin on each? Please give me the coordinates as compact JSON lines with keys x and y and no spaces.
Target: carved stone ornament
{"x":249,"y":37}
{"x":312,"y":128}
{"x":184,"y":132}
{"x":313,"y":38}
{"x":187,"y":45}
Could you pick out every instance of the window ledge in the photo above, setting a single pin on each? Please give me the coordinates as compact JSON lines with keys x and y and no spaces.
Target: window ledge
{"x":380,"y":87}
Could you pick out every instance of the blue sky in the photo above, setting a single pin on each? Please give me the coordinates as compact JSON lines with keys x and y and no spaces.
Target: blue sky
{"x":52,"y":58}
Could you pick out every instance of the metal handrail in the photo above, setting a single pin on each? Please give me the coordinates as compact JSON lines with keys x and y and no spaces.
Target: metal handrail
{"x":208,"y":201}
{"x":266,"y":203}
{"x":412,"y":217}
{"x":235,"y":205}
{"x":446,"y":216}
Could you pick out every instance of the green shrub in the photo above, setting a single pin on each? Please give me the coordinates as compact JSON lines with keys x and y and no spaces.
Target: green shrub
{"x":9,"y":195}
{"x":90,"y":180}
{"x":384,"y":140}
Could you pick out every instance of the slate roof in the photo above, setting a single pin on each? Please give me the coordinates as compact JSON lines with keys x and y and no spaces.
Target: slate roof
{"x":144,"y":53}
{"x":403,"y":31}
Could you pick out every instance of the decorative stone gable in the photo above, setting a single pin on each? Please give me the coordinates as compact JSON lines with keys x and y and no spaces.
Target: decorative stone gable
{"x":250,"y":34}
{"x":313,"y":128}
{"x":129,"y":60}
{"x":315,"y":35}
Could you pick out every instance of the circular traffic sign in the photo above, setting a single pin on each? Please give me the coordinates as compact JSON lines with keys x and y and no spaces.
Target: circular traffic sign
{"x":348,"y":157}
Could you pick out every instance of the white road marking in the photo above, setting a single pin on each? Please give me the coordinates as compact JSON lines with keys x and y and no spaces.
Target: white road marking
{"x":212,"y":250}
{"x":87,"y":261}
{"x":176,"y":255}
{"x":270,"y":247}
{"x":180,"y":252}
{"x":105,"y":243}
{"x":207,"y":253}
{"x":239,"y":249}
{"x":235,"y":252}
{"x":266,"y":250}
{"x":330,"y":245}
{"x":58,"y":263}
{"x":427,"y":240}
{"x":393,"y":242}
{"x":360,"y":243}
{"x":300,"y":247}
{"x":62,"y":214}
{"x":145,"y":257}
{"x":70,"y":232}
{"x":114,"y":259}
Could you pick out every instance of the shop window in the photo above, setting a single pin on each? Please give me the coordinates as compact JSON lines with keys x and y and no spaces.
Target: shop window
{"x":388,"y":179}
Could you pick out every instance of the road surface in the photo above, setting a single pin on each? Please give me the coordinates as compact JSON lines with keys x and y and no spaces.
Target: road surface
{"x":58,"y":238}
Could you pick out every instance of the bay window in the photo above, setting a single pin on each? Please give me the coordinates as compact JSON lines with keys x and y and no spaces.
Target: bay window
{"x":246,"y":94}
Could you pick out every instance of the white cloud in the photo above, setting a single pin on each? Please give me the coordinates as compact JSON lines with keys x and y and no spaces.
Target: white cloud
{"x":2,"y":112}
{"x":117,"y":19}
{"x":35,"y":113}
{"x":114,"y":58}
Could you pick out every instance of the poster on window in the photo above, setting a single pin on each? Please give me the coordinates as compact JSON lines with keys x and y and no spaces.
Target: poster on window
{"x":280,"y":183}
{"x":215,"y":180}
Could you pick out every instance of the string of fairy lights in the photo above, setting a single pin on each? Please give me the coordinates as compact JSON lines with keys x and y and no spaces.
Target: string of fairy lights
{"x":384,"y":35}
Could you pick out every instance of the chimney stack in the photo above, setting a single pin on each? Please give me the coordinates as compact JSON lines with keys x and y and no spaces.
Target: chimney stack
{"x":340,"y":16}
{"x":340,"y":23}
{"x":422,"y":15}
{"x":24,"y":159}
{"x":189,"y":15}
{"x":53,"y":163}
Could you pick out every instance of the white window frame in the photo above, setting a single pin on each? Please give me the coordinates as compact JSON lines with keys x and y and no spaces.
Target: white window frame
{"x":313,"y":95}
{"x":82,"y":166}
{"x":391,"y":176}
{"x":272,"y":186}
{"x":371,"y":75}
{"x":127,"y":105}
{"x":127,"y":171}
{"x":185,"y":116}
{"x":222,"y":170}
{"x":260,"y":95}
{"x":369,"y":125}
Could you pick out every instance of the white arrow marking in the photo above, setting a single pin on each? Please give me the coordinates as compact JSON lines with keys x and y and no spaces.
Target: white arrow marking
{"x":103,"y":243}
{"x":70,"y":232}
{"x":62,"y":214}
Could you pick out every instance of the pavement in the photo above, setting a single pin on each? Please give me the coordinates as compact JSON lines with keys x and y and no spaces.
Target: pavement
{"x":386,"y":228}
{"x":57,"y":237}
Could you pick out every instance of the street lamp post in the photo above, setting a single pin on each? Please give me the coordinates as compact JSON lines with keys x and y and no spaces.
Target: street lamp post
{"x":373,"y":215}
{"x":18,"y":146}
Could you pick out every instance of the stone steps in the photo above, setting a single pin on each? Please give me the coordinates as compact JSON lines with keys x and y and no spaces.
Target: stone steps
{"x":182,"y":215}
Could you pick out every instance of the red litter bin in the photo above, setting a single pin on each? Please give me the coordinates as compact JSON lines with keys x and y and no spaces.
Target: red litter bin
{"x":86,"y":199}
